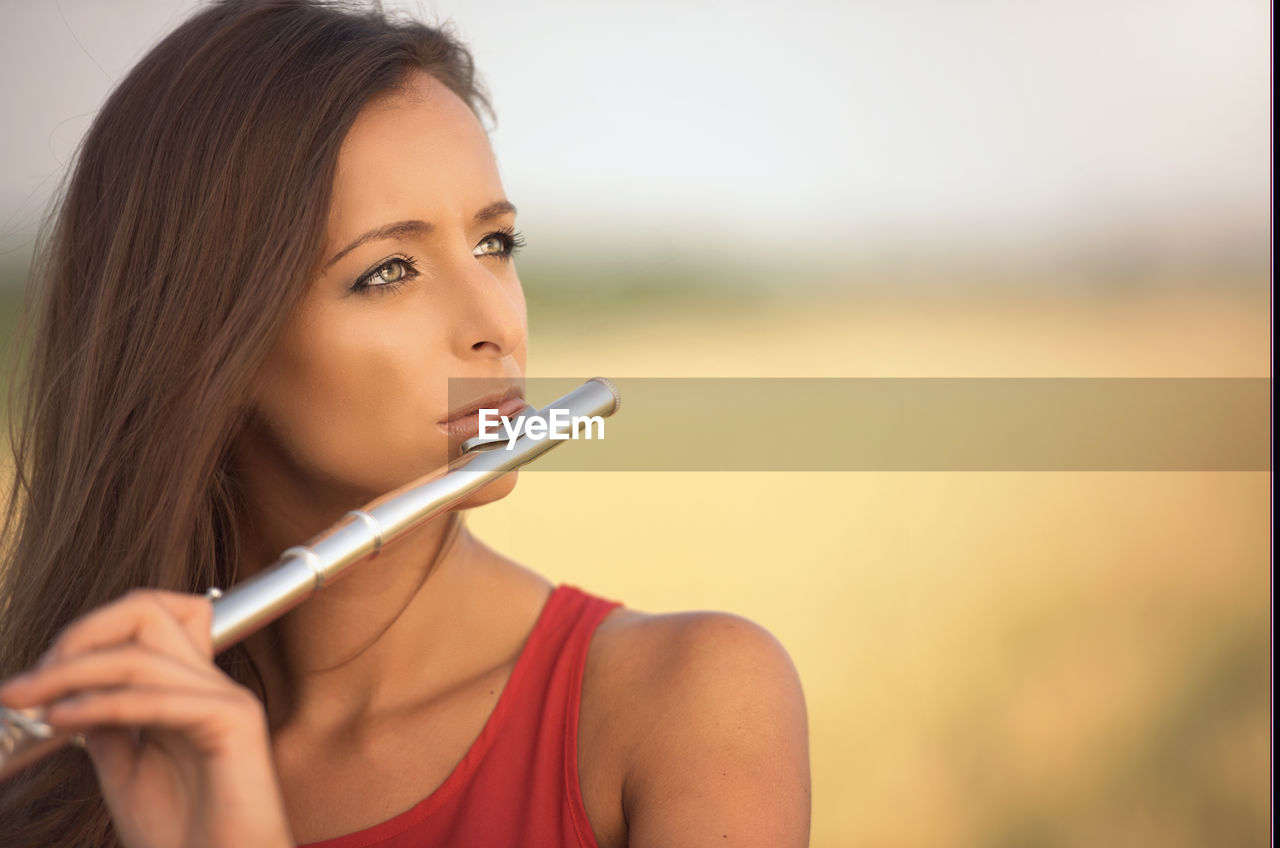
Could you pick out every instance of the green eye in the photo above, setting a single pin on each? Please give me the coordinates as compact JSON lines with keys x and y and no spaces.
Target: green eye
{"x":387,"y":277}
{"x":494,"y":242}
{"x":502,"y":244}
{"x":392,"y":272}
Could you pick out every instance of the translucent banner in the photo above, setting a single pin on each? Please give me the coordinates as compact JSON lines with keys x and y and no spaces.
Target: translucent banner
{"x":915,"y":424}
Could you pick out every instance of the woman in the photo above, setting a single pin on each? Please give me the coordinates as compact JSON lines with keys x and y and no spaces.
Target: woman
{"x":283,"y":234}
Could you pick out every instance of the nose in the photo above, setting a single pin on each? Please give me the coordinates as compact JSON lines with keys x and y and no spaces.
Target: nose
{"x":489,"y":318}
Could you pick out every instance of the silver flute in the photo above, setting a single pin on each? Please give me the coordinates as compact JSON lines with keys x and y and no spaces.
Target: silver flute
{"x":303,"y":570}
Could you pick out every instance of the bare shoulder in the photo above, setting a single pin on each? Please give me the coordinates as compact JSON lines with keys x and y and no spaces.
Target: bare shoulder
{"x":708,"y":648}
{"x":706,"y":721}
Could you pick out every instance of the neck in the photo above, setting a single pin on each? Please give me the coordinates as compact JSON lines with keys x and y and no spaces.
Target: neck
{"x":344,"y":651}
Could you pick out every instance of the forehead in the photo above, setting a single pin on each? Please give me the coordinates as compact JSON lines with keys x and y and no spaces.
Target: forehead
{"x":417,"y":149}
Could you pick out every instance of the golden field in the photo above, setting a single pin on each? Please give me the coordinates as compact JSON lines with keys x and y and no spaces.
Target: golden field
{"x":989,"y":659}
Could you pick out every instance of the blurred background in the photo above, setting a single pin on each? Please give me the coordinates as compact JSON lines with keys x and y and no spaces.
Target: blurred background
{"x":863,"y":189}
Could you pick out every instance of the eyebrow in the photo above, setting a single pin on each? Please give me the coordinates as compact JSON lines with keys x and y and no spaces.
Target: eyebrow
{"x":401,"y":229}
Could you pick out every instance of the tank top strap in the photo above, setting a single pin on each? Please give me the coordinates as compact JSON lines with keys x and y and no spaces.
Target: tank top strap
{"x":534,"y":759}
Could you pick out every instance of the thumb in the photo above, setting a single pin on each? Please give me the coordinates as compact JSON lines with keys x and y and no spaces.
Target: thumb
{"x":113,"y":751}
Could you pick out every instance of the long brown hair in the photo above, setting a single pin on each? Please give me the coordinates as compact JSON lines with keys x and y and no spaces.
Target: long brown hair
{"x":185,"y":234}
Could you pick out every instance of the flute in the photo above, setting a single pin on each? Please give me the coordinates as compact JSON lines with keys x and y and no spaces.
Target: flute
{"x":303,"y":570}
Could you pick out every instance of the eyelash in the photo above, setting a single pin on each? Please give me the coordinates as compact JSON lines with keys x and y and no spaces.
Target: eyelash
{"x":511,"y":240}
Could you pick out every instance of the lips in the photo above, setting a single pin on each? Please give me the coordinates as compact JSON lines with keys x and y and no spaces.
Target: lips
{"x":466,"y":420}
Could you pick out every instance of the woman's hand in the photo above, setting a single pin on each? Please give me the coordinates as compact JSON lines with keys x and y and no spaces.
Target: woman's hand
{"x":181,"y":751}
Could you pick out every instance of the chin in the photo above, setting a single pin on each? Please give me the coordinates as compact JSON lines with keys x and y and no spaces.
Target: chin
{"x":491,"y":492}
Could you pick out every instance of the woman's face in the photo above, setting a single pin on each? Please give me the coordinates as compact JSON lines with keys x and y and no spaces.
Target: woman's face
{"x":419,"y":287}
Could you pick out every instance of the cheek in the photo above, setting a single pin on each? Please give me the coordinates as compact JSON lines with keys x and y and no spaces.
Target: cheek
{"x":354,"y":400}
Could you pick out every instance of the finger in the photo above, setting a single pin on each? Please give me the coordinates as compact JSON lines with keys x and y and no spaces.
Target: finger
{"x":208,"y":718}
{"x":123,"y":665}
{"x":166,"y":621}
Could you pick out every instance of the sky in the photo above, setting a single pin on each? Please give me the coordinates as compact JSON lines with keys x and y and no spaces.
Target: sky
{"x":813,"y":128}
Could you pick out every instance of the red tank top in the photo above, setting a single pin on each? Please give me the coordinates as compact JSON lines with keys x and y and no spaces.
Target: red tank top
{"x":518,"y":783}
